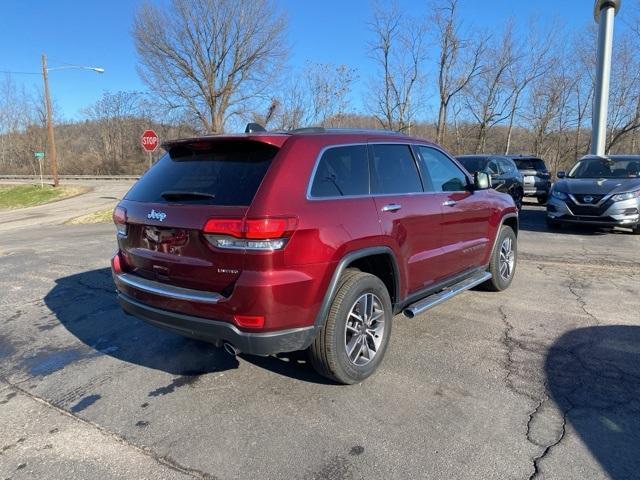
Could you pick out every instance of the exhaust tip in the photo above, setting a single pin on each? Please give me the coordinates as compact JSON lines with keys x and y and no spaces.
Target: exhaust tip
{"x":230,"y":349}
{"x":408,"y":313}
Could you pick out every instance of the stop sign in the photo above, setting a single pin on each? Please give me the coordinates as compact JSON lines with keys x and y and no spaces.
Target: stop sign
{"x":149,"y":140}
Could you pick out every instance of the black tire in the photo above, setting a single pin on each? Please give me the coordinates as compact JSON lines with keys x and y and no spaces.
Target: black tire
{"x":328,"y":352}
{"x":636,"y":230}
{"x":498,"y":281}
{"x":553,"y":224}
{"x":542,"y":199}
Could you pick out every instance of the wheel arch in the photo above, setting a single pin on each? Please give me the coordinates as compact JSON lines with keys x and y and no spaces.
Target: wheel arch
{"x":367,"y":260}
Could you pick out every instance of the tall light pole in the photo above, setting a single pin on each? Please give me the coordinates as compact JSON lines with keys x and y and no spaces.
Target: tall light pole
{"x":47,"y":99}
{"x":604,"y":12}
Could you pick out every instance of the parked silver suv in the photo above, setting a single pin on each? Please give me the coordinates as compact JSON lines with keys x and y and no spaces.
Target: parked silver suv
{"x":600,"y":191}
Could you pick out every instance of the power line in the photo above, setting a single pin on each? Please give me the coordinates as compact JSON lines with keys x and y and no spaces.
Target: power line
{"x":20,"y":73}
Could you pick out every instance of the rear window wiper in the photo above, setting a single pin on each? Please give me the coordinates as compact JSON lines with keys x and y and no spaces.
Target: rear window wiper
{"x":179,"y":194}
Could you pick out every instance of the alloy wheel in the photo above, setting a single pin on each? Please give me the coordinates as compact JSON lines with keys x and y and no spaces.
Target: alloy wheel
{"x":364,"y":329}
{"x":507,"y":258}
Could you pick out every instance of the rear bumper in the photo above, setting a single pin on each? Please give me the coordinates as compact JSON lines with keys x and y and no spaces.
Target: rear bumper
{"x":216,"y":331}
{"x":535,"y":191}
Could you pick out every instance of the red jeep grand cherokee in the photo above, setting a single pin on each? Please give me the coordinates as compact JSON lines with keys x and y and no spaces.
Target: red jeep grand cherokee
{"x":274,"y":242}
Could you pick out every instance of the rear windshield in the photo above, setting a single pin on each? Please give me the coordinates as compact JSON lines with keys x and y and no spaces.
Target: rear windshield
{"x":474,"y":164}
{"x":530,"y":164}
{"x":220,"y":173}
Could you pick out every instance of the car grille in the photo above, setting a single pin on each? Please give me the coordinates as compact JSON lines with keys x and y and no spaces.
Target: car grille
{"x":589,"y":210}
{"x":595,"y":198}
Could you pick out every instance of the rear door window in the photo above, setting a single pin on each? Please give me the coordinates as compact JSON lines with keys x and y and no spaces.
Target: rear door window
{"x":393,"y":170}
{"x":342,"y":171}
{"x":507,"y":166}
{"x":445,"y":175}
{"x":211,"y":173}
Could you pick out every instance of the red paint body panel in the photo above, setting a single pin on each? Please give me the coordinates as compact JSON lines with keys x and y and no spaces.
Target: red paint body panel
{"x":430,"y":241}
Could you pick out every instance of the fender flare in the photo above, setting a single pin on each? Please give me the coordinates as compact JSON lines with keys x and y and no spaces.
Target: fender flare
{"x":342,"y":265}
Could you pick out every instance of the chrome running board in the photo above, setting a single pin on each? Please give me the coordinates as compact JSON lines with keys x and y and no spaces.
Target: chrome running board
{"x":445,"y":294}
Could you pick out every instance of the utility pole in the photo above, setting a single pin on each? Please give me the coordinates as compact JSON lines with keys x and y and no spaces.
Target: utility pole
{"x":604,"y":12}
{"x":50,"y":137}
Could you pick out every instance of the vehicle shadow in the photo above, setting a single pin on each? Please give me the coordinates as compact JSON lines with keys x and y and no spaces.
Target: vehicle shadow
{"x":86,"y":305}
{"x":533,"y":219}
{"x":593,"y":375}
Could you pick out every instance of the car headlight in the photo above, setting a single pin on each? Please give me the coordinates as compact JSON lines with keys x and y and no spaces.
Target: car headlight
{"x":559,"y":195}
{"x":621,"y":197}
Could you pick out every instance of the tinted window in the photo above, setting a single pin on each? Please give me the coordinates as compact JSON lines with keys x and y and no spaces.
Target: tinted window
{"x":216,"y":173}
{"x":507,"y":165}
{"x":493,"y":168}
{"x":530,"y":164}
{"x":342,"y":171}
{"x":474,"y":164}
{"x":445,"y":175}
{"x":394,"y":170}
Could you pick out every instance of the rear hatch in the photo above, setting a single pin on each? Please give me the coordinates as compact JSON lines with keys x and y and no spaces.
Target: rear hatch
{"x":168,"y":207}
{"x":533,"y":170}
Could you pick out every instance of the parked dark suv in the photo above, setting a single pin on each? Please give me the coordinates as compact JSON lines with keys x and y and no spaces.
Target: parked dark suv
{"x":535,"y":177}
{"x":504,"y":174}
{"x":276,"y":242}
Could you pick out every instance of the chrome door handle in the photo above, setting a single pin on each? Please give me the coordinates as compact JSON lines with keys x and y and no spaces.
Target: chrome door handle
{"x":391,"y":207}
{"x":449,"y":203}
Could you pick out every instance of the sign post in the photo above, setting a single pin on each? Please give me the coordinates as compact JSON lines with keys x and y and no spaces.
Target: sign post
{"x":40,"y":156}
{"x":149,"y":141}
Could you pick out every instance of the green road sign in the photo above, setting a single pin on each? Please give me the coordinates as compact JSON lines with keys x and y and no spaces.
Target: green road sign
{"x":39,"y":154}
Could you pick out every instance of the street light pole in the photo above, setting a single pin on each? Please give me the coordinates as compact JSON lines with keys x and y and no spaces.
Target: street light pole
{"x":604,"y":12}
{"x":50,"y":136}
{"x":47,"y":100}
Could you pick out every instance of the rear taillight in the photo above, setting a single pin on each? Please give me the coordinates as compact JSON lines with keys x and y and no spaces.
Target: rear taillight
{"x":250,"y":234}
{"x":120,"y":219}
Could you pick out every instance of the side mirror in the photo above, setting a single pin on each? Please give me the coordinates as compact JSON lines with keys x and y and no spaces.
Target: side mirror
{"x":481,"y":181}
{"x":561,"y":174}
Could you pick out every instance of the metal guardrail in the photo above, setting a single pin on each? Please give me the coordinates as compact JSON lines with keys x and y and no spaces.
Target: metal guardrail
{"x":70,"y":177}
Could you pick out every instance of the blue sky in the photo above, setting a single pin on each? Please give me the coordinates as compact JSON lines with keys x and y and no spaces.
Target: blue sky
{"x":98,"y":33}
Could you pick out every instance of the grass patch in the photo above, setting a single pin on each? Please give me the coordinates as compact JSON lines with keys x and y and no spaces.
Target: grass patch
{"x":101,"y":216}
{"x":19,"y":196}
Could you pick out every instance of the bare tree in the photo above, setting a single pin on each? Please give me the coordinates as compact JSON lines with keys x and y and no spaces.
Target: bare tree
{"x":117,"y":120}
{"x":209,"y":57}
{"x":459,"y":59}
{"x":624,"y":108}
{"x":532,"y":60}
{"x":398,"y":52}
{"x":318,"y":95}
{"x":488,"y":97}
{"x":329,"y":87}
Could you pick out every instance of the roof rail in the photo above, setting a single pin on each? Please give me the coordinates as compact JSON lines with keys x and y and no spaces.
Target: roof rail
{"x":371,"y":131}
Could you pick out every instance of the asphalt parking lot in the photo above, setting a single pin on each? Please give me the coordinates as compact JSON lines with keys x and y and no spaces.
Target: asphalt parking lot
{"x":540,"y":381}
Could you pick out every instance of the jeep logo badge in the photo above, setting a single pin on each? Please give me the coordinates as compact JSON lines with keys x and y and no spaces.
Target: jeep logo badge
{"x":587,"y":199}
{"x":153,"y":215}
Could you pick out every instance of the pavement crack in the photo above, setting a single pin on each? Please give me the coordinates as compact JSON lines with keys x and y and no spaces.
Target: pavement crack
{"x":532,"y":416}
{"x":510,"y":344}
{"x":164,"y":460}
{"x":536,"y":460}
{"x":573,"y":287}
